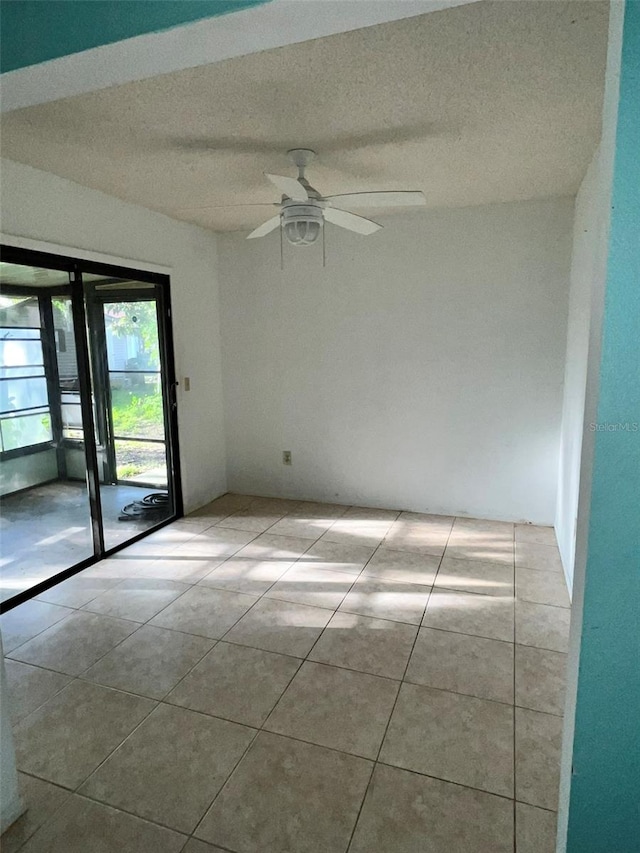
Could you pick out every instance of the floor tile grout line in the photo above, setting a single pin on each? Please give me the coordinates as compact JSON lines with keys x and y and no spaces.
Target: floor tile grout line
{"x":158,"y":702}
{"x":306,"y":658}
{"x":374,"y":764}
{"x":554,"y":573}
{"x":216,"y":640}
{"x":386,"y":729}
{"x":259,"y":731}
{"x":263,"y":730}
{"x":140,"y":625}
{"x":294,"y":562}
{"x":461,"y":785}
{"x":131,"y":733}
{"x":146,"y":624}
{"x":49,"y":817}
{"x":239,"y":591}
{"x":319,"y":637}
{"x":263,"y":595}
{"x":83,"y":673}
{"x":82,"y":606}
{"x":76,"y":790}
{"x":415,"y":640}
{"x":361,"y":574}
{"x":540,"y":604}
{"x":79,"y":676}
{"x":447,"y":781}
{"x":221,"y":526}
{"x":72,"y":792}
{"x":113,"y":648}
{"x":224,"y":784}
{"x":77,"y":793}
{"x":80,"y":609}
{"x":182,"y":678}
{"x":158,"y":823}
{"x":8,"y":652}
{"x":53,"y":695}
{"x":197,"y":663}
{"x":400,"y":680}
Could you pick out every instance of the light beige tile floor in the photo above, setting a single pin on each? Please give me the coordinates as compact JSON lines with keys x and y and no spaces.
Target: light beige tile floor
{"x":292,"y":677}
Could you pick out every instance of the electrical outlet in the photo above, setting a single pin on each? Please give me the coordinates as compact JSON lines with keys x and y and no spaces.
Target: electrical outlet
{"x":286,"y":457}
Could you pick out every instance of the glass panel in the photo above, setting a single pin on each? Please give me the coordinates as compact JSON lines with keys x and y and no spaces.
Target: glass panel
{"x":16,"y":372}
{"x":132,"y":335}
{"x":18,"y":353}
{"x":136,"y":400}
{"x":32,"y":278}
{"x":65,"y":344}
{"x":20,"y":311}
{"x":106,"y":283}
{"x":137,"y":415}
{"x":23,"y":394}
{"x":45,"y":503}
{"x":140,"y":498}
{"x":142,"y":462}
{"x":10,"y":334}
{"x":25,"y":430}
{"x":68,"y":370}
{"x":71,"y":416}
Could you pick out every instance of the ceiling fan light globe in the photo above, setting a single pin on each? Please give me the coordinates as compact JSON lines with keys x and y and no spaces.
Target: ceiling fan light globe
{"x":302,"y":232}
{"x":302,"y":223}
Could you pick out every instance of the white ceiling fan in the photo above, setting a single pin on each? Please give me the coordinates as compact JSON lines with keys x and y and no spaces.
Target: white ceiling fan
{"x":303,"y":210}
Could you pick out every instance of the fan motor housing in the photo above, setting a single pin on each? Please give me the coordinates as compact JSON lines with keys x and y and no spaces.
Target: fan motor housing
{"x":302,"y":221}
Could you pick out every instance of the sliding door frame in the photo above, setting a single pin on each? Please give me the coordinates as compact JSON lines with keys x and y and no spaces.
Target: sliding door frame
{"x":75,"y":267}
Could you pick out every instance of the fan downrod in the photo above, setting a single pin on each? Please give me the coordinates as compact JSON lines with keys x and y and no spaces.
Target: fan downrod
{"x":301,"y":158}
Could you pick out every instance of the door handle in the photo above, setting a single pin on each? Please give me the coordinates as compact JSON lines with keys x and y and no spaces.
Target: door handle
{"x":173,"y":395}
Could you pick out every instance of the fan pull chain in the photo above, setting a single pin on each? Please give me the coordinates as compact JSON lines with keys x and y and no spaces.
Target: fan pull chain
{"x":324,"y":246}
{"x":281,"y":250}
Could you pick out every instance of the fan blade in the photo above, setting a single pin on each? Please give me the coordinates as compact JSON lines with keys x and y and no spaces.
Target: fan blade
{"x":350,"y":221}
{"x":392,"y":198}
{"x":291,"y":187}
{"x":265,"y":228}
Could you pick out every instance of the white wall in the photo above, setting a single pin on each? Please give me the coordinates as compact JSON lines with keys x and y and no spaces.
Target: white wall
{"x":42,"y":207}
{"x":577,"y":568}
{"x":588,"y":265}
{"x":23,"y":472}
{"x":422,"y":369}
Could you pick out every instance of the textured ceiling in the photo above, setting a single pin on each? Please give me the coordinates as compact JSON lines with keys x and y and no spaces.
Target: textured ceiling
{"x":491,"y":102}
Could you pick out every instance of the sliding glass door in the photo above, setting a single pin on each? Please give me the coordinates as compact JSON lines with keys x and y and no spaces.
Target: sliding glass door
{"x":88,"y":434}
{"x":46,"y":523}
{"x":134,"y":416}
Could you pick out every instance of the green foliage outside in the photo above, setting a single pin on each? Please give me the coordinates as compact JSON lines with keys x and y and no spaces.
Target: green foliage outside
{"x":137,"y":408}
{"x":140,"y":415}
{"x":137,"y":414}
{"x":138,"y":320}
{"x":26,"y":430}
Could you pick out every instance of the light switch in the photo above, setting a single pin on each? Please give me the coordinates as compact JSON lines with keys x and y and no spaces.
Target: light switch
{"x":187,"y":383}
